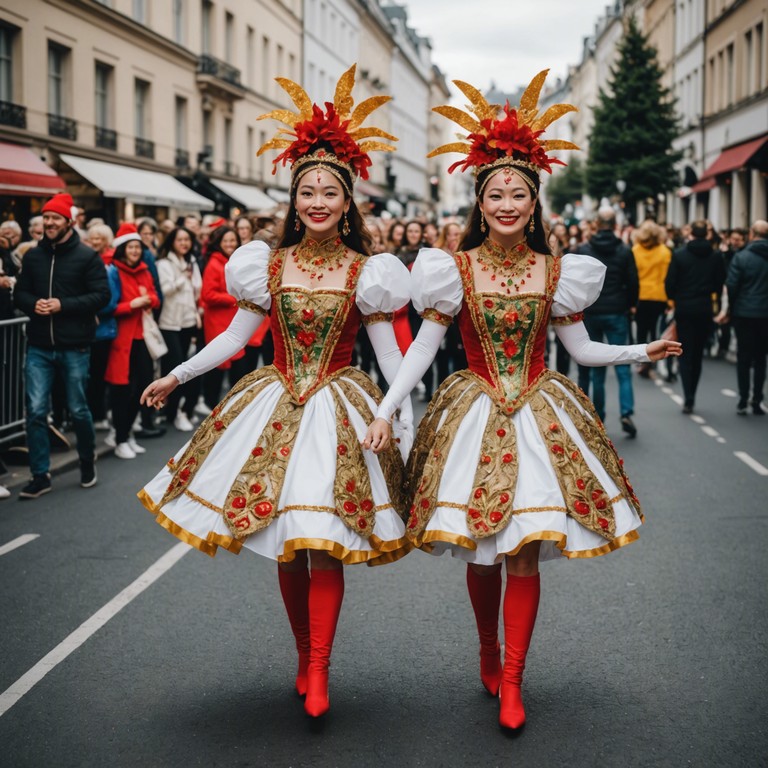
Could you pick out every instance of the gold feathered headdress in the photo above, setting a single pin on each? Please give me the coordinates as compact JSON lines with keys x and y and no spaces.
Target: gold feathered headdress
{"x":334,"y":137}
{"x":504,"y":136}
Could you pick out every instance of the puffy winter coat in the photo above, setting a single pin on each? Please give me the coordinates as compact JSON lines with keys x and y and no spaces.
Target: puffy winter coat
{"x":181,"y":291}
{"x":747,"y":281}
{"x":71,"y":272}
{"x":130,"y":322}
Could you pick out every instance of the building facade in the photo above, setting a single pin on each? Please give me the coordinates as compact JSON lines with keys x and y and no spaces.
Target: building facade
{"x":170,"y":88}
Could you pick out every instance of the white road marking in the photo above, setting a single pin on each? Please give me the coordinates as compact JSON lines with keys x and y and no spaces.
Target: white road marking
{"x":71,"y":643}
{"x":698,"y":419}
{"x":678,"y":399}
{"x":729,"y":393}
{"x":711,"y":431}
{"x":721,"y":440}
{"x":18,"y":542}
{"x":667,"y":390}
{"x":751,"y":463}
{"x":658,"y":382}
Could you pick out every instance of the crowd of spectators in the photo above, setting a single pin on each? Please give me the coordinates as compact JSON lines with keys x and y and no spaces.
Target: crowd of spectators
{"x":164,"y":295}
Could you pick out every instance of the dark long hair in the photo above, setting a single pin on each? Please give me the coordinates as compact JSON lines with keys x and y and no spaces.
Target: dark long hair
{"x":474,"y":236}
{"x":359,"y":238}
{"x":169,"y":241}
{"x":214,"y":244}
{"x":119,"y":254}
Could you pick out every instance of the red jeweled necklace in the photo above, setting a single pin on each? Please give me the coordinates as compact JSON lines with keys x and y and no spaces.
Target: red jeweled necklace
{"x":510,"y":266}
{"x":315,"y":258}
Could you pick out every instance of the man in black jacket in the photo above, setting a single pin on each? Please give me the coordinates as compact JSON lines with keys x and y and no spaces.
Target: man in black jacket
{"x":608,"y":318}
{"x":695,"y":273}
{"x":747,"y":285}
{"x":61,"y":287}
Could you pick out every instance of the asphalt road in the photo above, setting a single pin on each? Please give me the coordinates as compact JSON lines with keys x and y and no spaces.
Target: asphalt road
{"x":653,"y":656}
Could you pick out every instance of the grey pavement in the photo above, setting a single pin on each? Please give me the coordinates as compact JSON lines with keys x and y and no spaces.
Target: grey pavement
{"x":652,"y":656}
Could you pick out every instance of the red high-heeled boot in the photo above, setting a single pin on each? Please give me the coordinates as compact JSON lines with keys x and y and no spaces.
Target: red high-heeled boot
{"x":294,"y":587}
{"x":485,"y":596}
{"x":521,"y":603}
{"x":326,"y":592}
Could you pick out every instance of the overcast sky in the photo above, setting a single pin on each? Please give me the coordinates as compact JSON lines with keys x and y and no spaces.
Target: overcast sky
{"x":507,"y":41}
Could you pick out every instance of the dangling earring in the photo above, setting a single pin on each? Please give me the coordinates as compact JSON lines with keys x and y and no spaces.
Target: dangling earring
{"x":297,"y":225}
{"x":530,"y":226}
{"x":345,"y":226}
{"x":482,"y":222}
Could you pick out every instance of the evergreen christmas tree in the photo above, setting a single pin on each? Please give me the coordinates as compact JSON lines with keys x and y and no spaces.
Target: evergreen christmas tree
{"x":635,"y":124}
{"x":566,"y":185}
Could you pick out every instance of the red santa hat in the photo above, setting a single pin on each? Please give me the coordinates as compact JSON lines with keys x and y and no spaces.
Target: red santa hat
{"x":63,"y":204}
{"x":126,"y":233}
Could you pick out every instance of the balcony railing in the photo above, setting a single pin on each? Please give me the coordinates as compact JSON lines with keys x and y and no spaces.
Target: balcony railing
{"x":231,"y":169}
{"x":13,"y":114}
{"x":106,"y":138}
{"x":145,"y":148}
{"x":210,"y":65}
{"x":182,"y":158}
{"x":63,"y":127}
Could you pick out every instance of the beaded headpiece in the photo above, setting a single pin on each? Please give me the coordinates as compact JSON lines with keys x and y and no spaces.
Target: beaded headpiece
{"x":332,"y":138}
{"x":504,"y":137}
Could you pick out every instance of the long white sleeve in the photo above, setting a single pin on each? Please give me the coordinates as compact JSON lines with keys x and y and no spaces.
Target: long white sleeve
{"x":389,"y":357}
{"x":587,"y":352}
{"x":226,"y":344}
{"x":415,"y":363}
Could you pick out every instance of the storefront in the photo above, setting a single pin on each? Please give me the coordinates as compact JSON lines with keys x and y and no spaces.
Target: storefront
{"x":121,"y":193}
{"x":26,"y":182}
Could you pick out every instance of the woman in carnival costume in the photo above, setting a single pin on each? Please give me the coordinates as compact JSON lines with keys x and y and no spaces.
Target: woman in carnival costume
{"x":278,"y":466}
{"x":511,"y":463}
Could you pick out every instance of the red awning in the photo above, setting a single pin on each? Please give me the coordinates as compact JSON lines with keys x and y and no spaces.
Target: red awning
{"x":704,"y":185}
{"x":733,"y":158}
{"x":22,"y":172}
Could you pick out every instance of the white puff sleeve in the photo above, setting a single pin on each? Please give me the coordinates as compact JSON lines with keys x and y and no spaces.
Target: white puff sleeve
{"x":581,"y":280}
{"x":383,"y":287}
{"x":247,"y":278}
{"x":436,"y":289}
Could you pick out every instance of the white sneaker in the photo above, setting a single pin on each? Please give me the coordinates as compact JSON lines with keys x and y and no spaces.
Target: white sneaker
{"x":4,"y":492}
{"x":202,"y":409}
{"x":135,"y":447}
{"x":124,"y":451}
{"x":111,"y":439}
{"x":102,"y":426}
{"x":182,"y":422}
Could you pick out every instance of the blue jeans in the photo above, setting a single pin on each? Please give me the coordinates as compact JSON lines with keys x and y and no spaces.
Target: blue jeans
{"x":615,"y":330}
{"x":39,"y":370}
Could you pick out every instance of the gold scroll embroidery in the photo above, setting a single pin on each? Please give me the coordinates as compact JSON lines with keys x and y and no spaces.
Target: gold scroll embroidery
{"x":252,"y":501}
{"x":378,"y":317}
{"x":493,"y":491}
{"x":435,"y":316}
{"x":586,"y":500}
{"x":212,"y":429}
{"x":390,"y":461}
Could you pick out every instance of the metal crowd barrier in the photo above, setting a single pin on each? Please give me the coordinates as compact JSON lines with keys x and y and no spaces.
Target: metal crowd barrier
{"x":12,"y":349}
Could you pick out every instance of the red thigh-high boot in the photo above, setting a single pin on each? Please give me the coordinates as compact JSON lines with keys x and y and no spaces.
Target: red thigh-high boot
{"x":521,"y":603}
{"x":294,"y":587}
{"x":485,"y":596}
{"x":326,"y":591}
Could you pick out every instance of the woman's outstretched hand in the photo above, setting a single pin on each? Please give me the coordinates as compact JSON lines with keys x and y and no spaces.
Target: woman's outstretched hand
{"x":157,"y":392}
{"x":378,"y":435}
{"x":662,"y":348}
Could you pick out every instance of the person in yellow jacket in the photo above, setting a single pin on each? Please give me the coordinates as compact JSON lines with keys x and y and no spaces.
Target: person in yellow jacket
{"x":652,"y":258}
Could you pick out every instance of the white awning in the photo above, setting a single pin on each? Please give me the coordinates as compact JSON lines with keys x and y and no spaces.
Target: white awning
{"x":137,"y":185}
{"x":251,"y":198}
{"x":279,"y":195}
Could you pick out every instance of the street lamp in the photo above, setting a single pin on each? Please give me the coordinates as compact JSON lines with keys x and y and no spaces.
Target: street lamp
{"x":621,"y":185}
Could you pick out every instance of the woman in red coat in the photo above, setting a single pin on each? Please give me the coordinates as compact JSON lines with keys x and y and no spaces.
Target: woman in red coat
{"x":219,"y":307}
{"x":130,"y":369}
